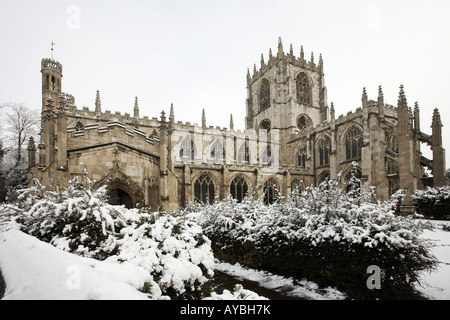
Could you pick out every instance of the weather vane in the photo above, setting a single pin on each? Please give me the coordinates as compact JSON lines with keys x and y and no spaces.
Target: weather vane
{"x":52,"y":44}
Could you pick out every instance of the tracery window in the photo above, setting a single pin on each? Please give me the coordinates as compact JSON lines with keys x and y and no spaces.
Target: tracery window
{"x":303,"y":121}
{"x":265,"y":125}
{"x":264,"y":94}
{"x":303,"y":88}
{"x":238,"y":188}
{"x":204,"y":189}
{"x":324,"y":151}
{"x":79,"y":126}
{"x":187,"y":151}
{"x":391,"y":142}
{"x":243,"y":154}
{"x":217,"y":151}
{"x":267,"y":155}
{"x":391,"y":166}
{"x":353,"y":143}
{"x":301,"y":157}
{"x":270,"y":191}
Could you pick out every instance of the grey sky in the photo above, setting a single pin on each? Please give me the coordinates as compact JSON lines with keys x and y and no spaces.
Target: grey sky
{"x":195,"y":54}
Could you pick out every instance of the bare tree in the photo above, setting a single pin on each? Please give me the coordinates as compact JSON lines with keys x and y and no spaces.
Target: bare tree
{"x":20,"y":123}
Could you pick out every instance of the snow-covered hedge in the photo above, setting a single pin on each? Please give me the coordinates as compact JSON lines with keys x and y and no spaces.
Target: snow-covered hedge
{"x":433,"y":202}
{"x":330,"y":234}
{"x":170,"y":247}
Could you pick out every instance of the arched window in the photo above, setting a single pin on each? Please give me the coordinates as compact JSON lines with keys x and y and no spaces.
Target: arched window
{"x":303,"y":121}
{"x":265,"y":125}
{"x":301,"y":157}
{"x":264,"y":94}
{"x":391,"y":166}
{"x":353,"y":143}
{"x":243,"y":154}
{"x":322,"y":177}
{"x":217,"y":151}
{"x":303,"y":88}
{"x":324,"y":151}
{"x":52,"y":84}
{"x":391,"y":142}
{"x":238,"y":188}
{"x":187,"y":151}
{"x":204,"y":189}
{"x":270,"y":191}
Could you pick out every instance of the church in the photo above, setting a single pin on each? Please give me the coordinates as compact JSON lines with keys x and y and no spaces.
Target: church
{"x":292,"y":138}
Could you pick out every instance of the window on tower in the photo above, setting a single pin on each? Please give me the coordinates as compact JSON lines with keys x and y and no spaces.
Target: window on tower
{"x":303,"y":88}
{"x":264,"y":94}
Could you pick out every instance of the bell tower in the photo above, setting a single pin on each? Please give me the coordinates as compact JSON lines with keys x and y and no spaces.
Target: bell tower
{"x":51,"y":80}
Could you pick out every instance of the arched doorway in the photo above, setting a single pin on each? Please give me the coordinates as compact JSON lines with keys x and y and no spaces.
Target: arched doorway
{"x":120,"y":197}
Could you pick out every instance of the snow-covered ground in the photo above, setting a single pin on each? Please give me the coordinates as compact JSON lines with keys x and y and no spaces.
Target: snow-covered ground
{"x":436,"y":285}
{"x":36,"y":270}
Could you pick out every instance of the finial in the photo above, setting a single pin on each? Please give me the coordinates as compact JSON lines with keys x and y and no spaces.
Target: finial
{"x":136,"y":108}
{"x":172,"y":114}
{"x":401,"y":97}
{"x":163,"y":116}
{"x":312,"y":57}
{"x":320,"y":58}
{"x":436,"y":118}
{"x":364,"y":95}
{"x":302,"y":54}
{"x":254,"y":69}
{"x":231,"y":122}
{"x":416,"y":106}
{"x":270,"y":53}
{"x":31,"y":144}
{"x":291,"y":51}
{"x":332,"y":112}
{"x":280,"y":47}
{"x":248,"y":73}
{"x":203,"y":119}
{"x":98,"y":102}
{"x":380,"y":91}
{"x":262,"y":60}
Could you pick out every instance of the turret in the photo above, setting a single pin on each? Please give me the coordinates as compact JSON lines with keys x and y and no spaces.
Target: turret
{"x":438,"y":151}
{"x":51,"y":80}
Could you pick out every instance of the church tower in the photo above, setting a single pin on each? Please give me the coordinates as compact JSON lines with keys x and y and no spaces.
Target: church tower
{"x":51,"y":80}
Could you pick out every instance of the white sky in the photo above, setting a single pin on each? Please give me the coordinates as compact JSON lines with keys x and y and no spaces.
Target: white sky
{"x":195,"y":54}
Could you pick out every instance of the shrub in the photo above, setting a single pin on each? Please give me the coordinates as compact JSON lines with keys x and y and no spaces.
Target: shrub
{"x":433,"y":202}
{"x":329,"y":234}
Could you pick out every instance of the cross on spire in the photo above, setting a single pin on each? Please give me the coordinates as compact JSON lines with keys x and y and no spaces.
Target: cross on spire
{"x":52,"y":47}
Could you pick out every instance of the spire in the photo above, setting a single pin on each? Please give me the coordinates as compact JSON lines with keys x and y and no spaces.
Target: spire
{"x":332,"y":112}
{"x":231,"y":122}
{"x":262,"y":60}
{"x":364,"y":98}
{"x":320,"y":63}
{"x":380,"y":102}
{"x":280,"y":47}
{"x":248,"y":74}
{"x":436,"y":118}
{"x":302,"y":54}
{"x":136,"y":108}
{"x":402,"y":98}
{"x":98,"y":103}
{"x":203,"y":119}
{"x":171,"y":115}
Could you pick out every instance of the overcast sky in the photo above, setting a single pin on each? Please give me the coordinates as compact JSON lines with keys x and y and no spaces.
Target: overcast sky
{"x":195,"y":54}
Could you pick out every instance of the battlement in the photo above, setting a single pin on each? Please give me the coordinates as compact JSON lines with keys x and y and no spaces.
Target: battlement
{"x":47,"y":63}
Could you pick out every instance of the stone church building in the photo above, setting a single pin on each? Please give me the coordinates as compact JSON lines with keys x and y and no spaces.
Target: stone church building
{"x":292,"y":138}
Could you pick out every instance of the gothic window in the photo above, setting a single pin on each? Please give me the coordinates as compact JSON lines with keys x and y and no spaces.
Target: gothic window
{"x":187,"y":151}
{"x":391,"y":166}
{"x":303,"y":88}
{"x":264,"y":94}
{"x":238,"y":188}
{"x":217,"y":152}
{"x":303,"y":121}
{"x":270,"y":191}
{"x":204,"y":189}
{"x":79,"y":126}
{"x":243,"y":154}
{"x":52,"y":88}
{"x":322,"y":177}
{"x":324,"y":151}
{"x":391,"y":142}
{"x":353,"y":144}
{"x":267,"y":155}
{"x":301,"y":157}
{"x":265,"y":125}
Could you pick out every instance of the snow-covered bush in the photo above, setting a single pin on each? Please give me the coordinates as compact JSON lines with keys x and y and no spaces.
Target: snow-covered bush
{"x":433,"y":202}
{"x":330,"y":234}
{"x":171,"y":247}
